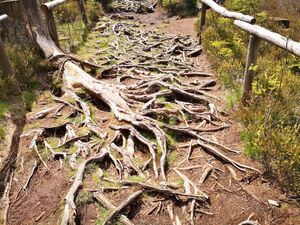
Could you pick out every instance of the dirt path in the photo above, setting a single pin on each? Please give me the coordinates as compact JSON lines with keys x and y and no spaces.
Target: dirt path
{"x":116,"y":44}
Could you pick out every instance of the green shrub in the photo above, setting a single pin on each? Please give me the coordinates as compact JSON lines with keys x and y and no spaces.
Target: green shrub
{"x":27,"y":64}
{"x":93,"y":9}
{"x":181,"y":7}
{"x":272,"y":133}
{"x":105,"y":4}
{"x":28,"y":98}
{"x":245,"y":6}
{"x":8,"y":86}
{"x":67,"y":12}
{"x":272,"y":123}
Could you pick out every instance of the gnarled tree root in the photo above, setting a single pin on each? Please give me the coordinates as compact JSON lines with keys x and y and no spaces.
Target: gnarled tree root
{"x":70,"y":207}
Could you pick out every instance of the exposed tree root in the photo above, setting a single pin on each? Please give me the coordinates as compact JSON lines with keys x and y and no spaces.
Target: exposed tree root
{"x":153,"y":92}
{"x":107,"y":204}
{"x":163,"y":190}
{"x":70,"y":207}
{"x":125,"y":204}
{"x":30,"y":176}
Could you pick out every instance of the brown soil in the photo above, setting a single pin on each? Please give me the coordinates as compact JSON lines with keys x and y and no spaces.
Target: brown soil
{"x":42,"y":200}
{"x":231,"y":202}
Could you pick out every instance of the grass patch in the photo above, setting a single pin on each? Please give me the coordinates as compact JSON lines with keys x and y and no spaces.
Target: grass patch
{"x":172,"y":157}
{"x":84,"y":198}
{"x":29,"y":98}
{"x":104,"y":214}
{"x":4,"y":108}
{"x":172,"y":139}
{"x":233,"y":98}
{"x":96,"y":177}
{"x":136,"y":178}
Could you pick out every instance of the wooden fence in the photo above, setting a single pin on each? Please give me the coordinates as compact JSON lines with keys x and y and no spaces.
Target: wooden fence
{"x":48,"y":8}
{"x":256,"y":34}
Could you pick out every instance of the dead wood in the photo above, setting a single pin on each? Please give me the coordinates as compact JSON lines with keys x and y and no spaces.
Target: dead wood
{"x":30,"y":176}
{"x":33,"y":145}
{"x":70,"y":207}
{"x":107,"y":204}
{"x":161,"y":190}
{"x":6,"y":197}
{"x":206,"y":171}
{"x":125,"y":204}
{"x":226,"y":159}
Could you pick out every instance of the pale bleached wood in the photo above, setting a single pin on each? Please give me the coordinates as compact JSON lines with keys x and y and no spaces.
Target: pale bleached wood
{"x":271,"y":37}
{"x":3,"y":17}
{"x":229,"y":14}
{"x":52,"y":5}
{"x":70,"y":207}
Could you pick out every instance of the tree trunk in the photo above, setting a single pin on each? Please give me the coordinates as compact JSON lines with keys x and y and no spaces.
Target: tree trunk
{"x":4,"y":61}
{"x":14,"y":29}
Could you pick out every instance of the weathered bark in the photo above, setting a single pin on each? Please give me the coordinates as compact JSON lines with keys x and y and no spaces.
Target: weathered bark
{"x":271,"y":37}
{"x":70,"y":207}
{"x":51,"y":5}
{"x":226,"y":13}
{"x":14,"y":27}
{"x":4,"y":61}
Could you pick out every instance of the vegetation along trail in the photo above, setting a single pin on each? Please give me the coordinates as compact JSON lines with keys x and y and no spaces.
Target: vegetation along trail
{"x":138,"y":134}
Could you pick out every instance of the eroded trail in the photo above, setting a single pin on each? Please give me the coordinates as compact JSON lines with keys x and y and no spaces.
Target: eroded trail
{"x":142,"y":139}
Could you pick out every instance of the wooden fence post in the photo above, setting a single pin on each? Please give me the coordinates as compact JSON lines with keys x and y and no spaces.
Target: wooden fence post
{"x":50,"y":22}
{"x":202,"y":21}
{"x":82,"y":11}
{"x":249,"y":72}
{"x":4,"y":61}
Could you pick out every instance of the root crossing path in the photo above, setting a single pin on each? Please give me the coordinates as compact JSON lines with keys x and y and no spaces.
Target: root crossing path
{"x":141,"y":138}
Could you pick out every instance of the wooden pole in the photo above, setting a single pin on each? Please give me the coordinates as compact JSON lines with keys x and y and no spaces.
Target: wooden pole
{"x":202,"y":21}
{"x":4,"y":60}
{"x":249,"y":72}
{"x":82,"y":11}
{"x":50,"y":22}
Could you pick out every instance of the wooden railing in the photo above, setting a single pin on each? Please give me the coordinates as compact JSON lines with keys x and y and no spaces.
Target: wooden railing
{"x":4,"y":61}
{"x":48,"y":8}
{"x":256,"y":33}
